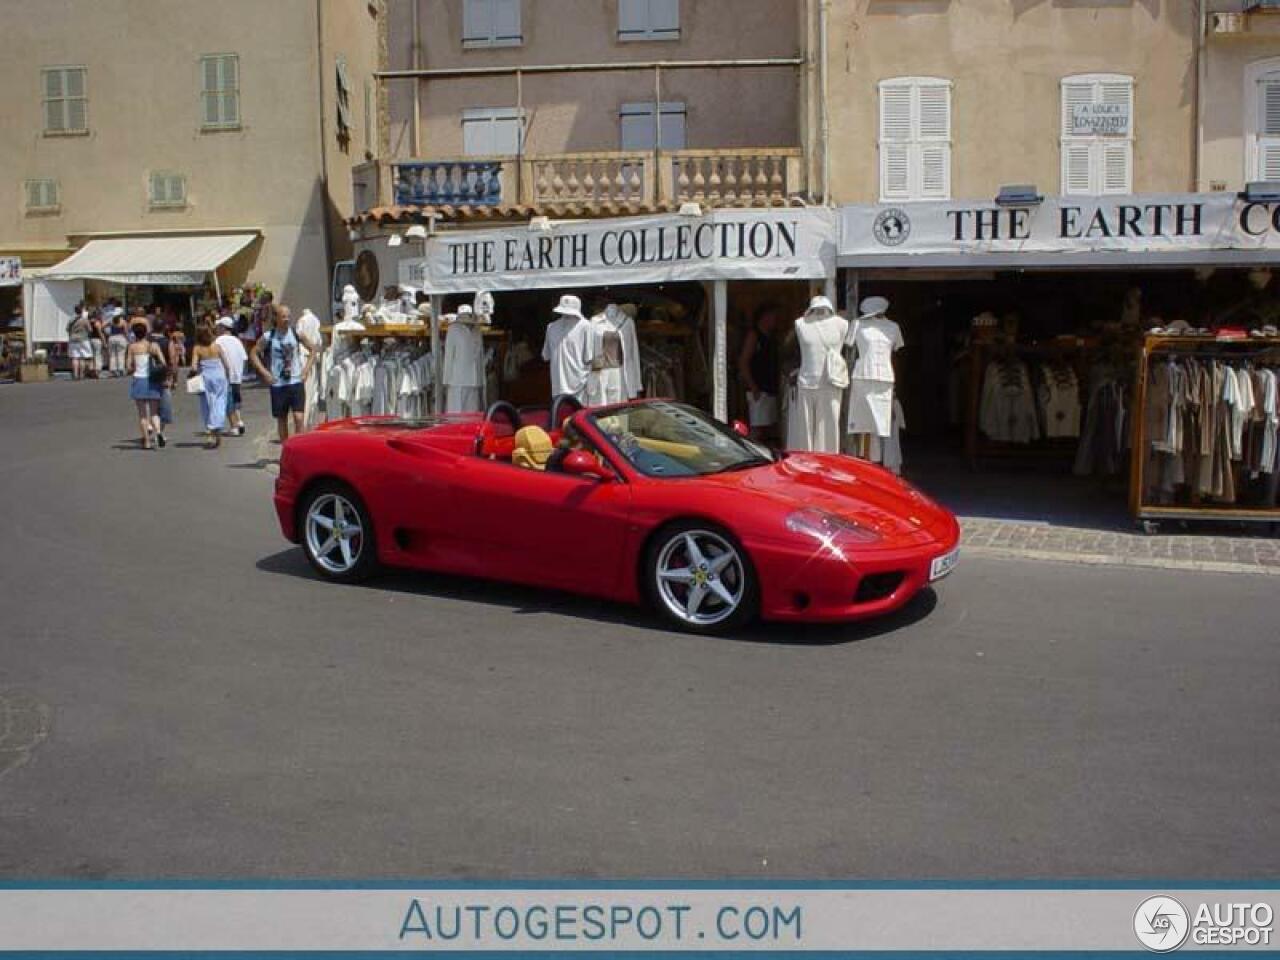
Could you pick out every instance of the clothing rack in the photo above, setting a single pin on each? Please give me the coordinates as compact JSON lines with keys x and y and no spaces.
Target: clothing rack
{"x":1155,"y":346}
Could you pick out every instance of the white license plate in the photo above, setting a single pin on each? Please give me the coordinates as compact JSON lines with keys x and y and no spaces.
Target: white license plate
{"x":944,"y":564}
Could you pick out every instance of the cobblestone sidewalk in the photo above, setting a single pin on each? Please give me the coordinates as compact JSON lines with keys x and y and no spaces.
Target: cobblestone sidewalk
{"x":1039,"y":541}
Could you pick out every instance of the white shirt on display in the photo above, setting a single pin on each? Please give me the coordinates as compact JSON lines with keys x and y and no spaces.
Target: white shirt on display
{"x":233,"y":349}
{"x":308,"y":326}
{"x":875,"y":339}
{"x":818,"y":336}
{"x":568,"y":348}
{"x":464,"y":355}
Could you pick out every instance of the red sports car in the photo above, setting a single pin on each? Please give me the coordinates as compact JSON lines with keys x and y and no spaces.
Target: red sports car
{"x":647,"y":501}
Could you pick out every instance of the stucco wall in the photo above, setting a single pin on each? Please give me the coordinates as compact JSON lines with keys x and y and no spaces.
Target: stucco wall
{"x":1006,"y":59}
{"x":579,"y":112}
{"x":143,"y":87}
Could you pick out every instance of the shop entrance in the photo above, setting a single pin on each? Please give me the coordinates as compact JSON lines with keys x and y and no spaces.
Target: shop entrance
{"x":1017,"y":387}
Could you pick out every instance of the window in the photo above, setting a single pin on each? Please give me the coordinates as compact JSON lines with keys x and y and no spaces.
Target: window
{"x":915,"y":139}
{"x":1262,"y":121}
{"x":648,"y":19}
{"x":42,"y":196}
{"x":637,"y":128}
{"x":1097,"y":134}
{"x":66,"y":104}
{"x":343,"y":89}
{"x":492,"y":132}
{"x":491,"y":23}
{"x":220,"y":91}
{"x":168,"y":190}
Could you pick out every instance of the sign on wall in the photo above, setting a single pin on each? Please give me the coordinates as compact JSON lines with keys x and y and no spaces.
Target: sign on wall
{"x":1132,"y":224}
{"x":724,"y":245}
{"x":10,"y":271}
{"x":1100,"y":120}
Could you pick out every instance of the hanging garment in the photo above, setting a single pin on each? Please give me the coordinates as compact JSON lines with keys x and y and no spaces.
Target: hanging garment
{"x":605,"y":381}
{"x":874,"y":339}
{"x":870,"y":407}
{"x":1007,"y":410}
{"x":820,"y":338}
{"x":816,"y":420}
{"x":887,"y":451}
{"x":568,"y":349}
{"x":464,"y":356}
{"x":1058,"y":397}
{"x":463,"y":399}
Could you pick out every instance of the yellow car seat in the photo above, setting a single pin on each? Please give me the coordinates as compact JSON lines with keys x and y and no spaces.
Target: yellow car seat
{"x":533,"y":447}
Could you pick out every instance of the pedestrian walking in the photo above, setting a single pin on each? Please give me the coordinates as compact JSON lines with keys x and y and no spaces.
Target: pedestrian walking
{"x":145,"y":363}
{"x":98,"y":343}
{"x":210,"y":365}
{"x":117,"y":344}
{"x":234,"y":353}
{"x":79,"y":330}
{"x":285,"y":371}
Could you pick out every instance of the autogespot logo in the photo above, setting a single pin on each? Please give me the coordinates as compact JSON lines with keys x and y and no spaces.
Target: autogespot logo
{"x":1161,"y":924}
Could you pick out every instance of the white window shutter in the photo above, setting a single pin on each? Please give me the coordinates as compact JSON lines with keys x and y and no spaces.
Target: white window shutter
{"x":935,"y":112}
{"x":1074,"y":95}
{"x":1116,"y":163}
{"x":77,"y":118}
{"x":1076,"y":168}
{"x":505,"y":19}
{"x":54,"y":116}
{"x":74,"y":82}
{"x":935,"y":171}
{"x":1269,"y":159}
{"x":895,"y":171}
{"x":1269,"y":106}
{"x":664,"y":17}
{"x":477,"y":21}
{"x":895,"y":113}
{"x":53,"y":83}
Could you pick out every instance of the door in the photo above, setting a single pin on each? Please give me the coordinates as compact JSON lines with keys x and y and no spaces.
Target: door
{"x":549,"y":529}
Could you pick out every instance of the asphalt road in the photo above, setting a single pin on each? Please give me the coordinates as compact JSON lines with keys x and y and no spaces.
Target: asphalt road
{"x":183,"y":699}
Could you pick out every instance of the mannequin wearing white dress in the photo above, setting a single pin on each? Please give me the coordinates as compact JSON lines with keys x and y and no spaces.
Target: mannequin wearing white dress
{"x":874,"y":338}
{"x":464,"y":363}
{"x":813,"y":423}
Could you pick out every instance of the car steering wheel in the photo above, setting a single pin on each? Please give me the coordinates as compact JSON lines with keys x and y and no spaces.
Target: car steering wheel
{"x":559,"y":413}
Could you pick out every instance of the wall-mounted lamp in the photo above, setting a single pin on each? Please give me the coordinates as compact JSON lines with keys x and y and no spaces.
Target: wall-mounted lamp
{"x":1019,"y":195}
{"x":394,"y":240}
{"x":416,"y":232}
{"x":540,"y":224}
{"x":1261,"y":191}
{"x":690,"y":209}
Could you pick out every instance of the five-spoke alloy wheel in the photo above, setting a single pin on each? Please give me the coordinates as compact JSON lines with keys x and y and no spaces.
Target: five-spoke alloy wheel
{"x":338,"y":534}
{"x":700,"y":578}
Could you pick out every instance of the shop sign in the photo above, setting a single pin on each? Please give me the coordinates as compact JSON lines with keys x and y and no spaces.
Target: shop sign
{"x":1131,"y":224}
{"x":1100,"y":120}
{"x":10,"y":271}
{"x":725,"y":245}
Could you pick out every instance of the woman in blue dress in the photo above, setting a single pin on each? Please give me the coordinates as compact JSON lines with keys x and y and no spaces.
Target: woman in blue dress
{"x":145,"y":365}
{"x":208,"y":361}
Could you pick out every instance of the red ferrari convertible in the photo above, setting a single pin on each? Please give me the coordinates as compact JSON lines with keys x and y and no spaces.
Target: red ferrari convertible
{"x":648,"y":501}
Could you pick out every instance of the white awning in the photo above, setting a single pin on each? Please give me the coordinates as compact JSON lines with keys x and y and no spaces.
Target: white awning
{"x":182,"y":261}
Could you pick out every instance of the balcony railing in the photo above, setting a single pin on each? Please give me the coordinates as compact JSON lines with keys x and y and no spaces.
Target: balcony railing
{"x":746,"y":177}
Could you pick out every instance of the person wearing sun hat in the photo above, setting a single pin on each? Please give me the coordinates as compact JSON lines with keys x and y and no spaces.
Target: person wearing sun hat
{"x":568,"y":348}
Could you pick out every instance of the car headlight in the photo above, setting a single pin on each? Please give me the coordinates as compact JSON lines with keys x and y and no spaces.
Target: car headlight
{"x":829,"y":529}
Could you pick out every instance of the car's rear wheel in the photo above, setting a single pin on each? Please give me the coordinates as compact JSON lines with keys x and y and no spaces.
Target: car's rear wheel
{"x":337,"y":534}
{"x":700,"y":579}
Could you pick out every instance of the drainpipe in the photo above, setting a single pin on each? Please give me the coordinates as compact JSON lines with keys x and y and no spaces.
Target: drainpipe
{"x":1197,"y":112}
{"x":324,"y":148}
{"x":416,"y":126}
{"x":825,"y":118}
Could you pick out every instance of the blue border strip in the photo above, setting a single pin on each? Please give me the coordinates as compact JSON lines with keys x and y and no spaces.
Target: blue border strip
{"x":577,"y":883}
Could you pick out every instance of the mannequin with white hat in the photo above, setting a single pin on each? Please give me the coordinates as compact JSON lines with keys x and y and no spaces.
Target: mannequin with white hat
{"x":813,"y":421}
{"x":464,"y":363}
{"x":568,"y":348}
{"x":350,"y":303}
{"x":874,"y":338}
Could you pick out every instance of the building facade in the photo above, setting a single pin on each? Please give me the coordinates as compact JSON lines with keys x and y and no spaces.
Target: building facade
{"x":177,"y":118}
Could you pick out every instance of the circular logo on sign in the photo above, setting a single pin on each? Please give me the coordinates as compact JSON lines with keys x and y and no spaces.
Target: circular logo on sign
{"x":892,"y":226}
{"x":366,"y":275}
{"x":1161,"y":924}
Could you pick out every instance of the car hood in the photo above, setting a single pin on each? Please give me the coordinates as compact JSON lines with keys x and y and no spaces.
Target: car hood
{"x":867,"y":494}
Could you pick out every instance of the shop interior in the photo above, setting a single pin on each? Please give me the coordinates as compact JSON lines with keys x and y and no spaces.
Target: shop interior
{"x":1018,"y":389}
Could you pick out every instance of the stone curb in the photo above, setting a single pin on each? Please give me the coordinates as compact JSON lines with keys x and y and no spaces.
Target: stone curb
{"x":1110,"y":559}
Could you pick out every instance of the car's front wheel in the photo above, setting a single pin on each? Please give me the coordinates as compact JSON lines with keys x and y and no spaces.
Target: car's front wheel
{"x":337,"y":534}
{"x":700,"y":579}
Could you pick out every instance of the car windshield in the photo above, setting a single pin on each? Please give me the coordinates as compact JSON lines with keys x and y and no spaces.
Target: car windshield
{"x":662,"y":439}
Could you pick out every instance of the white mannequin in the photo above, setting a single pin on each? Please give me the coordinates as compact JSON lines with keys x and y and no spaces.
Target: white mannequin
{"x":350,"y":303}
{"x":813,"y":423}
{"x":568,"y":348}
{"x":607,"y":381}
{"x":483,"y":306}
{"x":874,"y":338}
{"x":632,"y":377}
{"x":464,"y":363}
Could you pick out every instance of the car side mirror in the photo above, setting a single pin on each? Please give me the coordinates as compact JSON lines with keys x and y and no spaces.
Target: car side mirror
{"x":741,"y":429}
{"x":579,"y":463}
